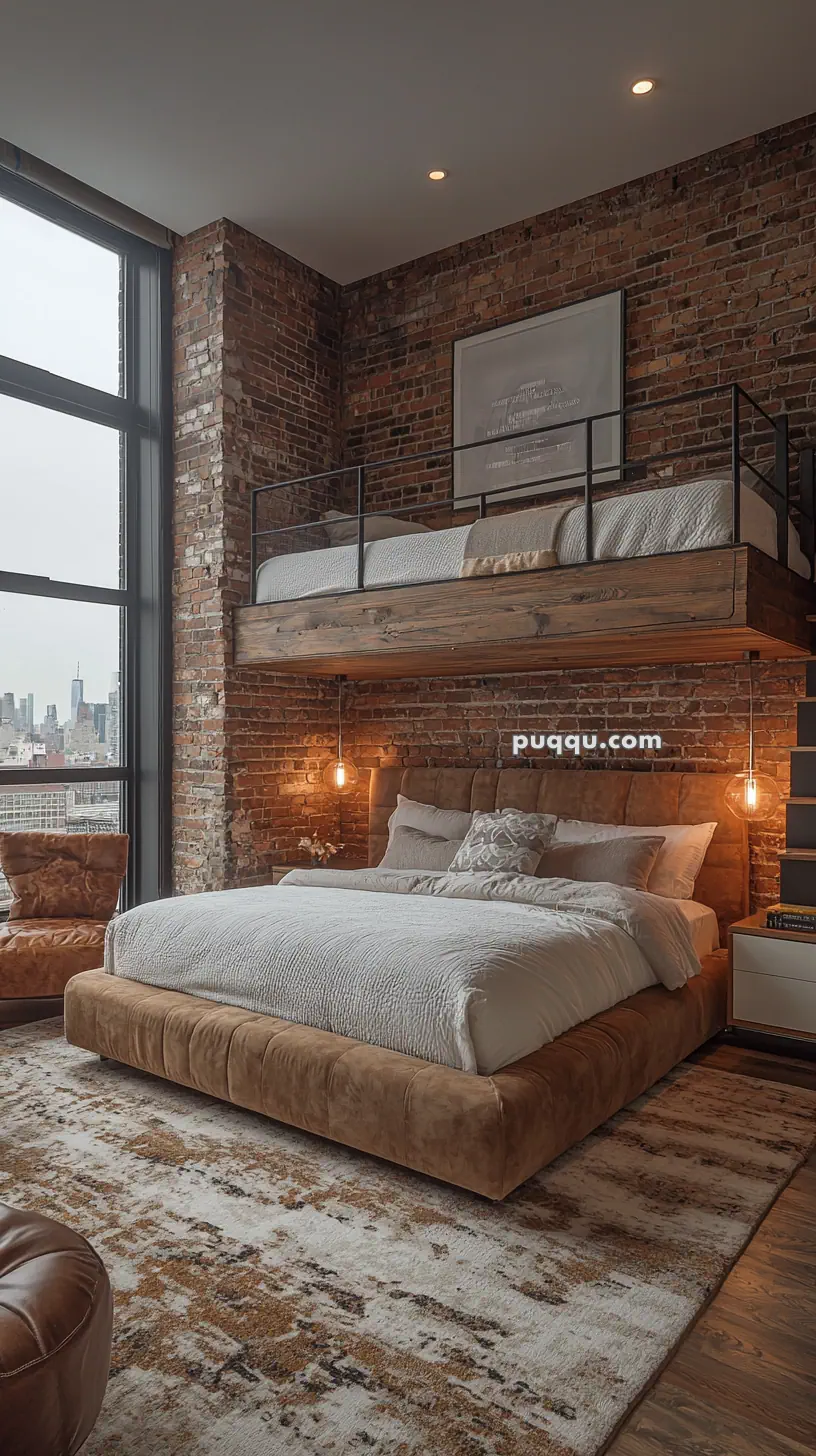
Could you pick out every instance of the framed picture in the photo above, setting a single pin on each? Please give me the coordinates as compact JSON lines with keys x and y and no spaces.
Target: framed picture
{"x":539,"y":374}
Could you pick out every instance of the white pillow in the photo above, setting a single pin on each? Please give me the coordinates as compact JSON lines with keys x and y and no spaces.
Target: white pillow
{"x":342,"y":530}
{"x":410,"y":849}
{"x":678,"y":863}
{"x":441,"y":823}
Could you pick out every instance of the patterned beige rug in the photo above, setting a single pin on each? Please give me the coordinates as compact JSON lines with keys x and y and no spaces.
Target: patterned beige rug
{"x":275,"y":1293}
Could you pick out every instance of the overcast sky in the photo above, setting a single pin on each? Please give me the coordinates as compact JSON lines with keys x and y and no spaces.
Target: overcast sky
{"x":59,"y":476}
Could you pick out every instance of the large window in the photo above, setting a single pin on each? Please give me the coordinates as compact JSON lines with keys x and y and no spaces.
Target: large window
{"x":84,"y":375}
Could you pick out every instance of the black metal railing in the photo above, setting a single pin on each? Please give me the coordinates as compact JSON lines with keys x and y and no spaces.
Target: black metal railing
{"x":779,"y":484}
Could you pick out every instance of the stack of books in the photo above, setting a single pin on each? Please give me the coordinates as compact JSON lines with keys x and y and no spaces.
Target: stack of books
{"x":792,"y":917}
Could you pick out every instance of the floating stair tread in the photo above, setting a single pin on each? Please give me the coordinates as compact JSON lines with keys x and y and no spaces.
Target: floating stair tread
{"x":798,"y":799}
{"x":803,"y":748}
{"x":797,"y":854}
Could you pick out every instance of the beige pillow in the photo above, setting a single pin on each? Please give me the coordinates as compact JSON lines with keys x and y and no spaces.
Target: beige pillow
{"x":678,"y":862}
{"x":624,"y":861}
{"x":342,"y":530}
{"x":410,"y":849}
{"x":441,"y":823}
{"x":510,"y":842}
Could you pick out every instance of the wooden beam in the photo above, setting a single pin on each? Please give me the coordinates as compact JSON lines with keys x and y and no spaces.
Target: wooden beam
{"x":778,"y":601}
{"x":689,"y":607}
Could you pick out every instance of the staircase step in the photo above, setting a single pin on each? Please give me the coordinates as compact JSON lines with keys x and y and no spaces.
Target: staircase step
{"x":800,"y":823}
{"x":803,"y":772}
{"x":810,"y":677}
{"x":797,"y":877}
{"x":806,"y":723}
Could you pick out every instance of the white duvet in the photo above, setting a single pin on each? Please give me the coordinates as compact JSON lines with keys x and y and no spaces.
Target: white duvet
{"x":469,"y":970}
{"x":647,"y":523}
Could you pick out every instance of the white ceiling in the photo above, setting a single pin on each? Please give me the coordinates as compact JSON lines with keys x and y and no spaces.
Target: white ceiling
{"x":314,"y":122}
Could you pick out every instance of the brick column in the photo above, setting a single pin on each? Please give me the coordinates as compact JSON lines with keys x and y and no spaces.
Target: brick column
{"x":257,"y":373}
{"x":200,"y":646}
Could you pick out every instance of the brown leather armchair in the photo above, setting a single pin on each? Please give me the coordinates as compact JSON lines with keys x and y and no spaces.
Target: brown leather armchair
{"x":65,"y":889}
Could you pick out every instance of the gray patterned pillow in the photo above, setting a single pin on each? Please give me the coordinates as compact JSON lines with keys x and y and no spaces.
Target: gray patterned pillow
{"x":511,"y":842}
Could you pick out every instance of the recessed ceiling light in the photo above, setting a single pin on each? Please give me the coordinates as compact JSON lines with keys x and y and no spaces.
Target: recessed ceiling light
{"x":437,"y":175}
{"x":642,"y":88}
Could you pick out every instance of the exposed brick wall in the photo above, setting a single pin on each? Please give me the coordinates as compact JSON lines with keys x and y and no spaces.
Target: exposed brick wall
{"x":200,"y":642}
{"x":717,"y":259}
{"x":257,"y":369}
{"x":716,"y":256}
{"x":701,"y":713}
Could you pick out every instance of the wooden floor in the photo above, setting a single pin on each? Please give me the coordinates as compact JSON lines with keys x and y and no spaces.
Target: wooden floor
{"x":743,"y":1382}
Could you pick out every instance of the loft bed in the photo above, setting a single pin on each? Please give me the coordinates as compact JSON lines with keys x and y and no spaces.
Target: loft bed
{"x":637,"y":571}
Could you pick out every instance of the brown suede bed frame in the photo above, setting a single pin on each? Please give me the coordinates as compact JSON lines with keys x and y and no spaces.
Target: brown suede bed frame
{"x":487,"y":1134}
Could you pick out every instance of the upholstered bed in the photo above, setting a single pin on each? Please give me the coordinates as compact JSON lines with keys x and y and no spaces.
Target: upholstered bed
{"x":483,"y":1132}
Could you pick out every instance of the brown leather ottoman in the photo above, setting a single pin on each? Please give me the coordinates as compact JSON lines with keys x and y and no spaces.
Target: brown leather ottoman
{"x":56,"y":1317}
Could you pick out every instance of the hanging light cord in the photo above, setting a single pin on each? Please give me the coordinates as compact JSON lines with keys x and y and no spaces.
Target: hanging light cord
{"x":749,"y":719}
{"x":340,"y":719}
{"x":750,"y":715}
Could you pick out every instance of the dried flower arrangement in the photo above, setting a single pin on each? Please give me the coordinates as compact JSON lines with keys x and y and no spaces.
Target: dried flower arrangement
{"x":319,"y":850}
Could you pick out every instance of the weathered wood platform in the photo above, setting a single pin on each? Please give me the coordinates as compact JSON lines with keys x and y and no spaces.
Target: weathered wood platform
{"x":697,"y":606}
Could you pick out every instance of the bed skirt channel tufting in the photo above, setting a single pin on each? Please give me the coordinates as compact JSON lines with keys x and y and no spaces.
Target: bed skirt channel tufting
{"x":486,"y":1134}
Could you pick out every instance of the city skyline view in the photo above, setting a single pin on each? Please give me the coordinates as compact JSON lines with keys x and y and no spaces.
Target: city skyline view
{"x":37,"y":735}
{"x":55,"y":688}
{"x":31,"y":738}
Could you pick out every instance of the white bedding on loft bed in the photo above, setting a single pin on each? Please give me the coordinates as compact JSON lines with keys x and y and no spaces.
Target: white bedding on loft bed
{"x":673,"y":518}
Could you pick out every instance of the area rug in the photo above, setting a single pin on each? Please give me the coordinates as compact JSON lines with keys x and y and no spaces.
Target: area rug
{"x":277,"y":1293}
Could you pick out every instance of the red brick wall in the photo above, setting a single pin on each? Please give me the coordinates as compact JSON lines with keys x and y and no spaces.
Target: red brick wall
{"x":717,"y":259}
{"x":700,"y":712}
{"x":716,"y":256}
{"x":200,"y":645}
{"x":257,"y":370}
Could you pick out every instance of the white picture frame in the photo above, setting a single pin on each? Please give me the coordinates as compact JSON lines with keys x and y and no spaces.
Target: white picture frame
{"x":563,"y":365}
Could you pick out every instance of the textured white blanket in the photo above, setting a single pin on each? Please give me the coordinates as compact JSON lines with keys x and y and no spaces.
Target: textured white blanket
{"x":472,"y":971}
{"x":675,"y":518}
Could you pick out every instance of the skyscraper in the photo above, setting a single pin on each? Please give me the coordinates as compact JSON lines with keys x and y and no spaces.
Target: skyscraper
{"x":30,"y":704}
{"x":77,"y":694}
{"x":52,"y":733}
{"x":99,"y":711}
{"x":112,"y":720}
{"x":7,"y":713}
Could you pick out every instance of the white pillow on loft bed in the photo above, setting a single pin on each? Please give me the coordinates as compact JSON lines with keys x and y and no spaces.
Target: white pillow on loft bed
{"x":342,"y":530}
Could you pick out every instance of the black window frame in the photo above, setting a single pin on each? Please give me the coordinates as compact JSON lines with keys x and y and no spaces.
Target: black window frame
{"x":143,"y":413}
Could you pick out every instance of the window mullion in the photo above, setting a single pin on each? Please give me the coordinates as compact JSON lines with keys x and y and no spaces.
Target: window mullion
{"x":83,"y":774}
{"x":67,"y":396}
{"x":23,"y":584}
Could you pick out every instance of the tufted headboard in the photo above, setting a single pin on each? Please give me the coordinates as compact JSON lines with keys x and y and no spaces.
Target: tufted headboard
{"x":605,"y":796}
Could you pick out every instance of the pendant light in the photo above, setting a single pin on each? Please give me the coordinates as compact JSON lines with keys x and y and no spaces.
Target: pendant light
{"x":340,"y":775}
{"x":751,"y":795}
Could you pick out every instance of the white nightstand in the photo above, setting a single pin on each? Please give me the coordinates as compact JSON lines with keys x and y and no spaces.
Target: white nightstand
{"x":772,"y":979}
